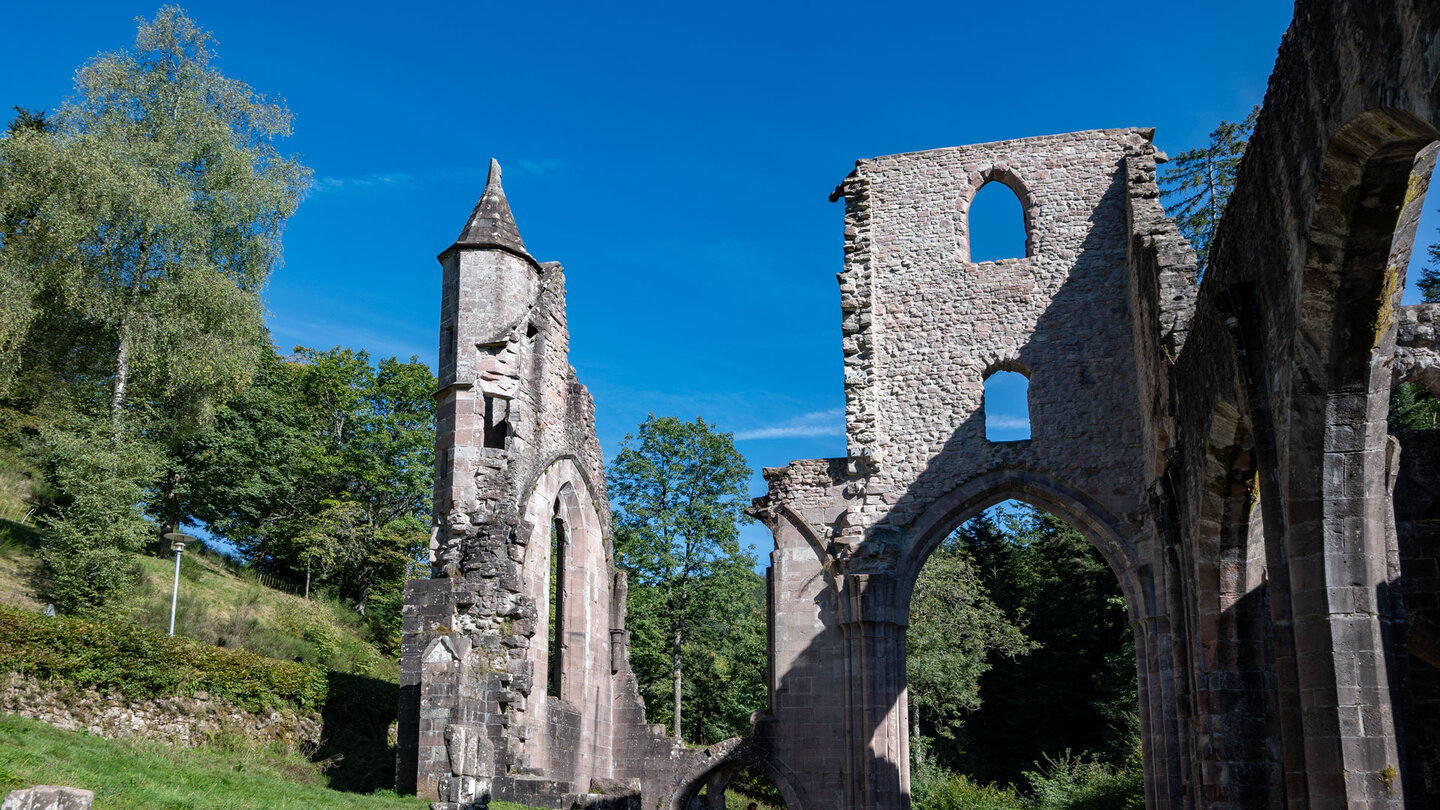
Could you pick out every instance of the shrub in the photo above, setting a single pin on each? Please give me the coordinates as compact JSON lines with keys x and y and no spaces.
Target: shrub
{"x":1077,"y":783}
{"x":143,"y":663}
{"x":935,"y":788}
{"x":95,"y":525}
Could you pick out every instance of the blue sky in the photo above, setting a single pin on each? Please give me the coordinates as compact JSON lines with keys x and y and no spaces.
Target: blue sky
{"x":675,"y":157}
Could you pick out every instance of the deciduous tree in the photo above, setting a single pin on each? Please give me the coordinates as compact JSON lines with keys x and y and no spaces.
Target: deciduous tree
{"x":679,"y":489}
{"x":955,"y":629}
{"x":151,"y":209}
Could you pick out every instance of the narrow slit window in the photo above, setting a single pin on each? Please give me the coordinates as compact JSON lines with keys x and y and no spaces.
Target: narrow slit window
{"x":558,"y":552}
{"x":996,"y":224}
{"x":1007,"y":407}
{"x":447,"y":346}
{"x":497,"y":422}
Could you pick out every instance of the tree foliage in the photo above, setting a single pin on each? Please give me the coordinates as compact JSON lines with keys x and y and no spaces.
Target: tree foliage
{"x":1074,"y":690}
{"x":955,"y":628}
{"x":1197,"y":183}
{"x":93,"y":527}
{"x":1429,"y":281}
{"x":695,"y":607}
{"x":138,"y":224}
{"x":1413,"y":408}
{"x":151,"y":211}
{"x":324,"y":467}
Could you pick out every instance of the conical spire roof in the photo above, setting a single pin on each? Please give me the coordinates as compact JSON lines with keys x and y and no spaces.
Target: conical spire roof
{"x":491,"y":224}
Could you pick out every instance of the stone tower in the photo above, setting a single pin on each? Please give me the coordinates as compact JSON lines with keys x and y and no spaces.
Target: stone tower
{"x":499,"y":697}
{"x":489,"y":286}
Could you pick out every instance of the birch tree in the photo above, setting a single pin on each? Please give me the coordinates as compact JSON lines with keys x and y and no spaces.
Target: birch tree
{"x":150,"y":208}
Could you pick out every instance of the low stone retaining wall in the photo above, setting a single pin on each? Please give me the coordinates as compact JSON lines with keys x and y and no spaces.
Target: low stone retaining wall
{"x":178,"y":720}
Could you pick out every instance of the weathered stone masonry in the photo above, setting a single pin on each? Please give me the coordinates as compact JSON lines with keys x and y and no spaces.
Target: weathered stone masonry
{"x":1223,"y":444}
{"x":487,"y":707}
{"x":923,"y":328}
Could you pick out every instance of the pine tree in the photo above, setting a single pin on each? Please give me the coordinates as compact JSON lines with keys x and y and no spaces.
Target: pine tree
{"x":1198,"y":183}
{"x":1429,"y":283}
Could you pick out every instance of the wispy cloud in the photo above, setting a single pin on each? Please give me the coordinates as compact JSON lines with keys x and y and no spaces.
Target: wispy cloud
{"x":381,"y":181}
{"x":377,"y":337}
{"x":805,"y":426}
{"x":1006,"y":421}
{"x":367,"y":182}
{"x":535,"y":167}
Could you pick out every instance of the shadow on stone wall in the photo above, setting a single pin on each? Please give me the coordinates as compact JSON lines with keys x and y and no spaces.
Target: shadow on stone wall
{"x":969,"y":473}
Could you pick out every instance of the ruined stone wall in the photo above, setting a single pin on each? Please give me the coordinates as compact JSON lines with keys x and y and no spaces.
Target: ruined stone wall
{"x":1231,"y":462}
{"x":1417,"y":347}
{"x":936,"y":324}
{"x":1226,"y":450}
{"x":491,"y":705}
{"x":923,"y":327}
{"x":1278,"y":486}
{"x":1417,"y":521}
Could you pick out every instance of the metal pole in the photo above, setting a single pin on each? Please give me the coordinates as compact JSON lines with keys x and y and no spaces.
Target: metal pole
{"x":175,"y":592}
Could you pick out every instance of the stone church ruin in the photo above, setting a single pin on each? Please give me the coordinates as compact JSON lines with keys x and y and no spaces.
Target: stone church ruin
{"x":1223,"y":444}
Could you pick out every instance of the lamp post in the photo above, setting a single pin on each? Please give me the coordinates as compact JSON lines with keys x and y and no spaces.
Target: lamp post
{"x":177,"y":545}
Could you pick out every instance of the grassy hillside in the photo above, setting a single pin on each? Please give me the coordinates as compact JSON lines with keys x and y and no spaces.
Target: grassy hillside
{"x":140,"y":774}
{"x":18,"y":539}
{"x":220,"y":603}
{"x":227,"y":606}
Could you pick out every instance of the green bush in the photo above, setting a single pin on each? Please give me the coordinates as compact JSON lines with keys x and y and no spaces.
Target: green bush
{"x":935,"y":788}
{"x":93,"y":527}
{"x":142,"y":663}
{"x":1077,"y":783}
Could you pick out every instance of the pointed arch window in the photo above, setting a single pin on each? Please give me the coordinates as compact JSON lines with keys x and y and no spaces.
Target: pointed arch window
{"x":559,"y":557}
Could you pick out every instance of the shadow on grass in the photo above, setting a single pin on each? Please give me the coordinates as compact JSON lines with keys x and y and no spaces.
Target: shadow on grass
{"x":356,"y":734}
{"x":19,"y":534}
{"x":20,"y":557}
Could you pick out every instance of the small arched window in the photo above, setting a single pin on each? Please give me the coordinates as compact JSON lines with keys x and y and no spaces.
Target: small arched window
{"x":1006,"y":406}
{"x":995,"y":224}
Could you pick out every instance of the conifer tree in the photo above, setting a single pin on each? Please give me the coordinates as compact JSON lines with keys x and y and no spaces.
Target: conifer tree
{"x":1197,"y":184}
{"x":1429,"y":282}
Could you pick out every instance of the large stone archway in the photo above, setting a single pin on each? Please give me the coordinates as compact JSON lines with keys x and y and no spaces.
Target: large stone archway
{"x":923,"y":326}
{"x":1223,"y":443}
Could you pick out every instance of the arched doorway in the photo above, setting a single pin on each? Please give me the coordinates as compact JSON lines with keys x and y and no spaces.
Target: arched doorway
{"x":1021,"y":664}
{"x":1107,"y":560}
{"x":734,"y":774}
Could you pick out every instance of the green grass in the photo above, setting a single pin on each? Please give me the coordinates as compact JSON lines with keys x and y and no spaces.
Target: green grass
{"x":220,"y":603}
{"x":19,"y":564}
{"x":140,"y":774}
{"x":224,"y":605}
